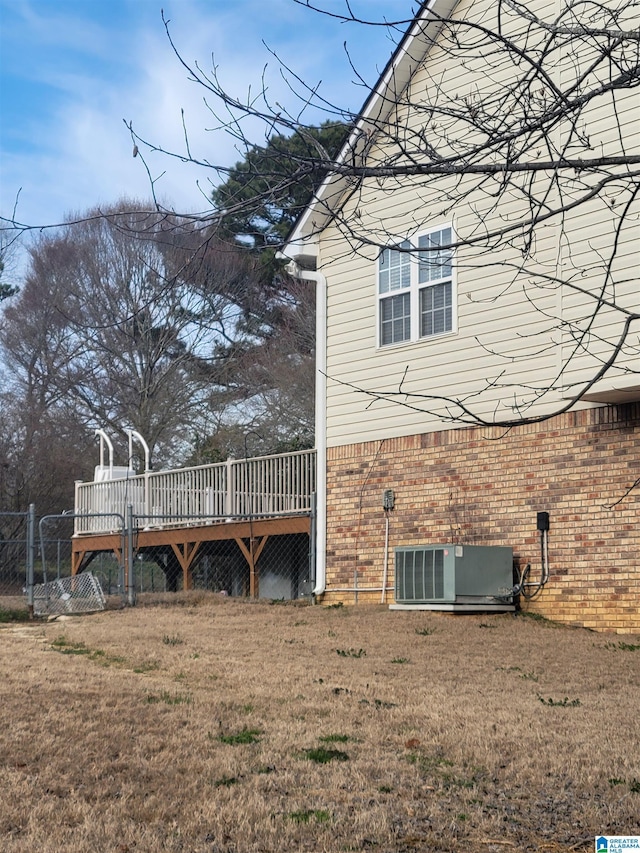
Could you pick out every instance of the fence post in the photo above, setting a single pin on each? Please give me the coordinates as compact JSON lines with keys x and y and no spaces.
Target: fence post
{"x":31,"y":549}
{"x":131,"y":581}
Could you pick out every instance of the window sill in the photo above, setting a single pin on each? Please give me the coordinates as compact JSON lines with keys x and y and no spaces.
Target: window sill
{"x":417,"y":341}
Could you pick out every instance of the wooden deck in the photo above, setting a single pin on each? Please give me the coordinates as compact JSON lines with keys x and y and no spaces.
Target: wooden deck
{"x":242,"y":501}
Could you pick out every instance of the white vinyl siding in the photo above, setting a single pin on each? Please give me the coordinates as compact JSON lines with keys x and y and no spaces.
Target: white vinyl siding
{"x":511,"y":320}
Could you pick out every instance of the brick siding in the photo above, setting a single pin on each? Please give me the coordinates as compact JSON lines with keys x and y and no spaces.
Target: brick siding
{"x":485,"y":486}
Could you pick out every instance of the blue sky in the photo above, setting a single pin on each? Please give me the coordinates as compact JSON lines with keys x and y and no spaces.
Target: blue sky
{"x":72,"y":70}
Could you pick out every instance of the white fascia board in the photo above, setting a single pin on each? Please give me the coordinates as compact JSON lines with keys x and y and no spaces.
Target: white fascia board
{"x":377,"y":107}
{"x":304,"y":252}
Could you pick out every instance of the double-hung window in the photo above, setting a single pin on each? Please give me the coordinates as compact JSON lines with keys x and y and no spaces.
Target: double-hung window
{"x":415,"y":288}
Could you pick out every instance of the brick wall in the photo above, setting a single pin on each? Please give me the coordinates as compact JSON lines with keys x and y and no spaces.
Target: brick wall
{"x":485,"y":486}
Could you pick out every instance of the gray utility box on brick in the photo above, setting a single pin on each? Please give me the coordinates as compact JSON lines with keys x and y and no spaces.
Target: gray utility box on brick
{"x":457,"y":578}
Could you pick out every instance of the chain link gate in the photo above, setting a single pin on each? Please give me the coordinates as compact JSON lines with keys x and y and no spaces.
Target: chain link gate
{"x":77,"y":594}
{"x":67,"y":584}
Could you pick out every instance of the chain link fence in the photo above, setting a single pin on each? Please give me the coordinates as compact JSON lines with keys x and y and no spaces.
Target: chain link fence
{"x":282,"y":568}
{"x":36,"y":567}
{"x":79,"y":594}
{"x":277,"y":567}
{"x":16,"y":538}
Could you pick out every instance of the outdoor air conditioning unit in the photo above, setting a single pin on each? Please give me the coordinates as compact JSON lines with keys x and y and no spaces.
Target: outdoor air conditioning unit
{"x":457,"y":578}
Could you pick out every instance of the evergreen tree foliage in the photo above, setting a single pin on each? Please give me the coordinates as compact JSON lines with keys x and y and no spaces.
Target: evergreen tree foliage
{"x":267,"y":191}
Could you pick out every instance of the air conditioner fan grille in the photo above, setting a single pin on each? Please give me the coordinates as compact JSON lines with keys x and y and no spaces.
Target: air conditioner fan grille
{"x":420,"y":575}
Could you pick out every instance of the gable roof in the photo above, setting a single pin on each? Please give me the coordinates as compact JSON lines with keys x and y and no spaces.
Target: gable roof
{"x":301,"y":244}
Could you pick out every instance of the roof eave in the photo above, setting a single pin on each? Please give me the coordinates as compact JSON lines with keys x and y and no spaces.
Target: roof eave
{"x":395,"y":77}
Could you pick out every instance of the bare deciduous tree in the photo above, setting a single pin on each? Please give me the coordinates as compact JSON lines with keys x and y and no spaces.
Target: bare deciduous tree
{"x":103,"y":327}
{"x":130,"y":319}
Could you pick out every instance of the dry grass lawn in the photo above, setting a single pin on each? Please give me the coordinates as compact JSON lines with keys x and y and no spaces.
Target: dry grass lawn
{"x":211,"y":725}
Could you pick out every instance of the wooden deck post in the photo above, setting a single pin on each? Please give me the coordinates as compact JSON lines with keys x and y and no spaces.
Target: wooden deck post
{"x":185,"y":553}
{"x":76,"y":560}
{"x":252,"y":555}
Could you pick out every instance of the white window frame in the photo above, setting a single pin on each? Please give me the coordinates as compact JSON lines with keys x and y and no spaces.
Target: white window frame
{"x":399,"y":273}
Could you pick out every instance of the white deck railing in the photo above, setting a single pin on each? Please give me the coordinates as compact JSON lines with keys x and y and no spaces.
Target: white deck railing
{"x":238,"y":488}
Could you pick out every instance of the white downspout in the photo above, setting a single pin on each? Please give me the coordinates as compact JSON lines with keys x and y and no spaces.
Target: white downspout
{"x":320,"y":425}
